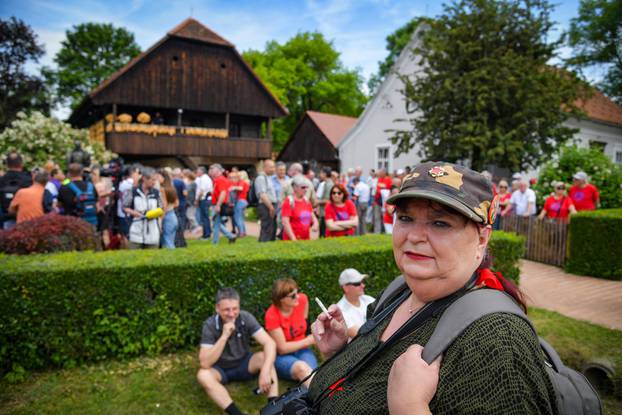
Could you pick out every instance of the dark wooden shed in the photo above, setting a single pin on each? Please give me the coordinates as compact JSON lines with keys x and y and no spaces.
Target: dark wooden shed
{"x":190,"y":96}
{"x":315,"y":139}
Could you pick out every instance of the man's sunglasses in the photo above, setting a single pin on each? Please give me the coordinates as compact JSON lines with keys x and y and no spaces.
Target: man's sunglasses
{"x":355,"y":284}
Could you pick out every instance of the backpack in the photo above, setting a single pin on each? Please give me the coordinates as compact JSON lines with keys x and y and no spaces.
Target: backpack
{"x":252,"y":198}
{"x":86,"y":203}
{"x":574,"y":394}
{"x":10,"y":185}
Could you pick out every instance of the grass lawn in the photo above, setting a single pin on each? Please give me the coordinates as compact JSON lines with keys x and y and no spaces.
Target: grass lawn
{"x":167,"y":385}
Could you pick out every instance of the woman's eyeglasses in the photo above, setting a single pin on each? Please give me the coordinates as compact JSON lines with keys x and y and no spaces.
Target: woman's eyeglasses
{"x":355,"y":284}
{"x":561,"y":188}
{"x":293,"y":295}
{"x":336,"y":193}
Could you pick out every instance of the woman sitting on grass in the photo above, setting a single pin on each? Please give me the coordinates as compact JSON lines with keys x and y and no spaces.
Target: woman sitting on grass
{"x":286,"y":322}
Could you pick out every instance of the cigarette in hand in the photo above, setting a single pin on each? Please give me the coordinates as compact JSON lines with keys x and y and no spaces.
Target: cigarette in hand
{"x":317,"y":300}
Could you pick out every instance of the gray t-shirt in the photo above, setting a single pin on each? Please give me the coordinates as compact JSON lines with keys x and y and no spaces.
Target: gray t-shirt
{"x":264,"y":185}
{"x":237,"y":346}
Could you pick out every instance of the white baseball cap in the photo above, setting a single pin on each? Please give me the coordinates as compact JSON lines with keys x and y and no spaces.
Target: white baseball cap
{"x":350,"y":275}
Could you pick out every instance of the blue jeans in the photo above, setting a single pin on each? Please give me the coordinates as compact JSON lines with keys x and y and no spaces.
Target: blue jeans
{"x":169,"y":228}
{"x":204,"y":219}
{"x":238,"y":216}
{"x":220,"y":227}
{"x":285,"y":362}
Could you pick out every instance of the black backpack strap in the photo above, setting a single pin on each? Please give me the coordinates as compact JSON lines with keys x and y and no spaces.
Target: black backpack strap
{"x":469,"y":308}
{"x":389,"y":294}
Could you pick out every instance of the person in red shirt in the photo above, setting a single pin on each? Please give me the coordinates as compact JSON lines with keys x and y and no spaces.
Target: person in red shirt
{"x":341,"y":216}
{"x":286,"y":322}
{"x":387,"y":217}
{"x":220,"y":199}
{"x":297,"y":213}
{"x":238,"y":194}
{"x":558,"y":205}
{"x":584,"y":195}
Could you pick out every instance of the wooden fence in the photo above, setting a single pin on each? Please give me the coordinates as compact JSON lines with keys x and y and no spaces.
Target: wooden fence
{"x":545,"y":240}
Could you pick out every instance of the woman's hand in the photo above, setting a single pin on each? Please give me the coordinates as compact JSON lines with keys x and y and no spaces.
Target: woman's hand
{"x":330,"y":334}
{"x":412,"y":383}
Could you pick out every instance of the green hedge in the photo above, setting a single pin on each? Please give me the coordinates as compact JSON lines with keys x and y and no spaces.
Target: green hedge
{"x":595,"y":244}
{"x":64,"y":309}
{"x":507,"y":248}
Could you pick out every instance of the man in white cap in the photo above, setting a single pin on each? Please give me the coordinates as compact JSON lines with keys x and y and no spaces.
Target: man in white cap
{"x":584,"y":195}
{"x":354,"y":302}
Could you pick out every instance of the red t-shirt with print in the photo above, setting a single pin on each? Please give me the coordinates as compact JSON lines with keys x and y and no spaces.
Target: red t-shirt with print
{"x":584,"y":198}
{"x":221,"y":184}
{"x":243,"y":194}
{"x":300,"y":217}
{"x":294,"y":326}
{"x":336,"y":213}
{"x":387,"y":217}
{"x":557,"y":208}
{"x":383,"y":184}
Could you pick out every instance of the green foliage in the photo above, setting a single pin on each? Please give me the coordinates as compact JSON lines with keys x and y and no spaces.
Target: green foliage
{"x":39,"y":138}
{"x":305,"y":73}
{"x":596,"y":36}
{"x":595,"y":244}
{"x":603,"y":173}
{"x":19,"y":91}
{"x":65,"y":309}
{"x":396,"y":42}
{"x":508,"y":249}
{"x":485,"y":93}
{"x":90,"y":53}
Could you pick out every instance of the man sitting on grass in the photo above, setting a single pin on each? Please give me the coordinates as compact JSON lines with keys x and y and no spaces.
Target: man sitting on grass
{"x":225,"y":353}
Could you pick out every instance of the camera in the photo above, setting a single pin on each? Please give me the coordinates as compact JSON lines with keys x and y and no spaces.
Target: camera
{"x":294,"y":402}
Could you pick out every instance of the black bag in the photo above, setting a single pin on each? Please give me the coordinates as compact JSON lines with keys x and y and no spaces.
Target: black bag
{"x":9,"y":185}
{"x":251,"y":197}
{"x":226,"y":210}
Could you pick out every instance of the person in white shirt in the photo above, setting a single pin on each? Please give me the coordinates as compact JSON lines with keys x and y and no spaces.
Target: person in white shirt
{"x":204,"y":191}
{"x":361,"y":196}
{"x":353,"y":304}
{"x":522,"y":201}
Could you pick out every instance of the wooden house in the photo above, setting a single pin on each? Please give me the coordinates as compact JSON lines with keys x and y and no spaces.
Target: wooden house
{"x":189,"y":99}
{"x":315,"y":139}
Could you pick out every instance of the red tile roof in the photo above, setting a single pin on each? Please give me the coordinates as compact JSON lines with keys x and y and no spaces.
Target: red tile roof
{"x":334,"y":127}
{"x":601,"y":108}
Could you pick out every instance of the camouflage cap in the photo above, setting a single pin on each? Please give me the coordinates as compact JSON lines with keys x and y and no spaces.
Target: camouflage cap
{"x":458,"y":187}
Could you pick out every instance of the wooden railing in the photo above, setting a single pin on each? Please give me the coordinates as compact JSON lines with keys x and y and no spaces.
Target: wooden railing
{"x":186,"y":145}
{"x":545,"y":240}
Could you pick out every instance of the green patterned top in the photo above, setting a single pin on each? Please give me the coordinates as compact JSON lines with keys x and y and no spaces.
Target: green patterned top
{"x":495,"y":367}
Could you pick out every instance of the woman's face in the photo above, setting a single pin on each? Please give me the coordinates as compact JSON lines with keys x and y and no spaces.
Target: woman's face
{"x":300,"y":190}
{"x":234,"y":178}
{"x":290,"y":300}
{"x":336,"y":195}
{"x":437,"y":251}
{"x":560,"y":190}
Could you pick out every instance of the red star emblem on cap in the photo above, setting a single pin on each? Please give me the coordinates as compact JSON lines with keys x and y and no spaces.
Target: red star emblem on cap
{"x":437,"y":171}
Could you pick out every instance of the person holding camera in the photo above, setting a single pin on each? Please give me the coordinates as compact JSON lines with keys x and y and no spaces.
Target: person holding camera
{"x":225,"y":354}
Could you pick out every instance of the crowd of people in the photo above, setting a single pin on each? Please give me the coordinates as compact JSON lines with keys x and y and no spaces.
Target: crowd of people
{"x":225,"y":354}
{"x":143,"y":208}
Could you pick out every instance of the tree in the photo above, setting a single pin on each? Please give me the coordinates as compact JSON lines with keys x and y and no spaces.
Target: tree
{"x":485,"y":94}
{"x":396,"y":42}
{"x":305,"y":73}
{"x":596,"y":38}
{"x":90,"y":53}
{"x":39,"y":138}
{"x":603,"y":173}
{"x":19,"y":91}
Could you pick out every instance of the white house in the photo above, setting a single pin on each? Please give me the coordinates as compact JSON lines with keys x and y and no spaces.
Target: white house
{"x":367,"y":143}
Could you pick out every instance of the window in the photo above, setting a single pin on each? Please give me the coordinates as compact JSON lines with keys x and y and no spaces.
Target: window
{"x":618,"y":157}
{"x":383,"y":157}
{"x":598,"y":145}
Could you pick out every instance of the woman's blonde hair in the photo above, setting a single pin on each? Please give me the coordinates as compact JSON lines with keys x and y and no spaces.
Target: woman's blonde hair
{"x":281,"y":288}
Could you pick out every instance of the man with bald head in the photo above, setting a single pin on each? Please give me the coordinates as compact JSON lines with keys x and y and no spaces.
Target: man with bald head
{"x":266,"y":208}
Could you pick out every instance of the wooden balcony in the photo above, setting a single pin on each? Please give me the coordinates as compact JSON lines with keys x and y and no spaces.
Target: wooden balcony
{"x":133,"y":143}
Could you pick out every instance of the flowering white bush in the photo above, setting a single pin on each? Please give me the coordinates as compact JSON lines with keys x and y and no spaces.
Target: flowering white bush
{"x":39,"y":138}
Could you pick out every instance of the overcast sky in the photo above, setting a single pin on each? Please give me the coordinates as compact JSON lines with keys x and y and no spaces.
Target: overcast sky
{"x":358,"y":28}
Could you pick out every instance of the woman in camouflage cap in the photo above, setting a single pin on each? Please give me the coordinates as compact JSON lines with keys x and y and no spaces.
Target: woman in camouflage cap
{"x":442,"y":226}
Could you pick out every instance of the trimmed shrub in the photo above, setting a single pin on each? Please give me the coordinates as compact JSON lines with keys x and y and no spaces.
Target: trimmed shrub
{"x":507,"y":249}
{"x":48,"y":233}
{"x":69,"y":308}
{"x":595,"y":244}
